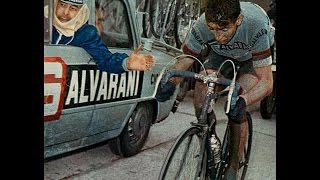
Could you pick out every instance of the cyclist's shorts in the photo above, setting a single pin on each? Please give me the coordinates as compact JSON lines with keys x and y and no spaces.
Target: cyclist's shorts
{"x":214,"y":60}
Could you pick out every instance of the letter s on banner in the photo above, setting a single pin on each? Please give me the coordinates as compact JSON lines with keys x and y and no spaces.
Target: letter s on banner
{"x":55,"y":72}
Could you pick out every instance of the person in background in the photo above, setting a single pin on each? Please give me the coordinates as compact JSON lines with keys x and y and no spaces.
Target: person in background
{"x":243,"y":33}
{"x":70,"y":28}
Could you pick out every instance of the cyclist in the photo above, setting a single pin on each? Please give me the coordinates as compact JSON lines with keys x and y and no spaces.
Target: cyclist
{"x":242,"y":32}
{"x":70,"y":27}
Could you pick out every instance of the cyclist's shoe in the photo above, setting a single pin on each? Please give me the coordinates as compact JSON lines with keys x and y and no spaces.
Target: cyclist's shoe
{"x":230,"y":174}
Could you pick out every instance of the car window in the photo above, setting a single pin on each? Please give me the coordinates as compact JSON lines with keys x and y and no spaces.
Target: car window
{"x":112,"y":23}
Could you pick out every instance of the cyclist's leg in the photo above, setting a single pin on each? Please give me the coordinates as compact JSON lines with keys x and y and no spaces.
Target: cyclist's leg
{"x":241,"y":139}
{"x":247,"y":80}
{"x":239,"y":132}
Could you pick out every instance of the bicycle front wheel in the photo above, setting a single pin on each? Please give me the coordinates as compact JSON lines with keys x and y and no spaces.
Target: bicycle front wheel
{"x":185,"y":160}
{"x":243,"y":163}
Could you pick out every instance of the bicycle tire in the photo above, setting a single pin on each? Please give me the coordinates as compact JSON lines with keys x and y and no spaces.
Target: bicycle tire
{"x":225,"y":155}
{"x":184,"y":159}
{"x":243,"y":164}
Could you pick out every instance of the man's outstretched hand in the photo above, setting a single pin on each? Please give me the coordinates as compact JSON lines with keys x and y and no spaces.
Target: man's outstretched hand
{"x":140,"y":62}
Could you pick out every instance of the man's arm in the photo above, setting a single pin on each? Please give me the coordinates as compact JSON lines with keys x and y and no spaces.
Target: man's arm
{"x":113,"y":62}
{"x":260,"y":86}
{"x":263,"y":84}
{"x":105,"y":60}
{"x":183,"y":63}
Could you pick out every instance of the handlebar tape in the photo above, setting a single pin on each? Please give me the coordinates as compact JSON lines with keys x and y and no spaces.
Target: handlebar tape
{"x":171,"y":73}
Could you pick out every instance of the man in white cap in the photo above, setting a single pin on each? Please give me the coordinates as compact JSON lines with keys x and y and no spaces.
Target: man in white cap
{"x":70,"y":28}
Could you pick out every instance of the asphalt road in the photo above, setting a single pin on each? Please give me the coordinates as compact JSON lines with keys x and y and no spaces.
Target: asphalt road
{"x":99,"y":163}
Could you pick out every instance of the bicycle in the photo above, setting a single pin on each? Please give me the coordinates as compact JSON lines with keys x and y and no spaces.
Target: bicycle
{"x":193,"y":156}
{"x":188,"y":12}
{"x":161,"y":16}
{"x":168,"y":20}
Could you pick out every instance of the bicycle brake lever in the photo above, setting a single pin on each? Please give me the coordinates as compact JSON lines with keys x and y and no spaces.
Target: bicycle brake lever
{"x":228,"y":101}
{"x":231,"y":89}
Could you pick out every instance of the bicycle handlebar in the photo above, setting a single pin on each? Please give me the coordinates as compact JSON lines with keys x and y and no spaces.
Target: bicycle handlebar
{"x":233,"y":90}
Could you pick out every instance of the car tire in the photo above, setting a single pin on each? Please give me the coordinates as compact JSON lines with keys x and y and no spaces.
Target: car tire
{"x":135,"y":133}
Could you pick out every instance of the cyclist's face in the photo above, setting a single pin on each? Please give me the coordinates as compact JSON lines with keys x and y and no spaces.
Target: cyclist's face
{"x":65,"y":12}
{"x":223,"y":34}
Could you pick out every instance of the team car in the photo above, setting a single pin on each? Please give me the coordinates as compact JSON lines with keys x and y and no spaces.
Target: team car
{"x":83,"y":105}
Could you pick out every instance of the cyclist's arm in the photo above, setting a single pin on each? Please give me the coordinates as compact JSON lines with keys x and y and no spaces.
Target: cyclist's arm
{"x":183,"y":63}
{"x":263,"y":86}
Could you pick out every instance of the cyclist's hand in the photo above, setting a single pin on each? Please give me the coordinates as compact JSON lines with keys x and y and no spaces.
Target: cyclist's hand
{"x":165,"y":91}
{"x":238,"y":112}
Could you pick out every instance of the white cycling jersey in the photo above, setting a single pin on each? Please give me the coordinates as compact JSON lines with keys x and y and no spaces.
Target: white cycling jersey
{"x":252,"y":39}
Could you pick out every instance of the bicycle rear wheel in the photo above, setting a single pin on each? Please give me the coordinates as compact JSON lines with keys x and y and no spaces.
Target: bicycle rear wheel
{"x":185,"y":160}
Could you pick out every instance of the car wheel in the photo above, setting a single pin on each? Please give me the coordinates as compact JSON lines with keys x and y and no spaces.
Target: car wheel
{"x":134,"y":134}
